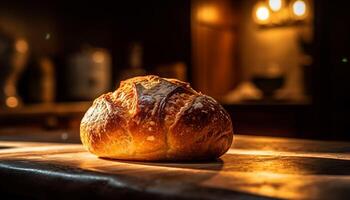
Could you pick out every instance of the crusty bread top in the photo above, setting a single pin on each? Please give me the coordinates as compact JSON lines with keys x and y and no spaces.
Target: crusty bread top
{"x":157,"y":118}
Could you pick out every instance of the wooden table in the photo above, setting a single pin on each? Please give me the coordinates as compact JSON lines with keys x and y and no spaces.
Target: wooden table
{"x":255,"y":168}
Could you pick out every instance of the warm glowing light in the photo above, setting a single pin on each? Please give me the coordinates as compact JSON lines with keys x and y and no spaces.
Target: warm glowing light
{"x":98,"y":56}
{"x":299,"y":8}
{"x":208,"y":14}
{"x":275,"y":5}
{"x":21,"y":46}
{"x":12,"y":102}
{"x":262,"y":13}
{"x":47,"y":36}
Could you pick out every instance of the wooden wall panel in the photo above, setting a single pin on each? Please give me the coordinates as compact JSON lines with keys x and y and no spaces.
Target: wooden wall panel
{"x":214,"y":46}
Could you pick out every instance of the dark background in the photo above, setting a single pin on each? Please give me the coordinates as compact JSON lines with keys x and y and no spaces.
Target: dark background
{"x":164,"y":30}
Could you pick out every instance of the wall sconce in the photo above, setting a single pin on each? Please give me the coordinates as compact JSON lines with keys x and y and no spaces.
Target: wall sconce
{"x":280,"y":12}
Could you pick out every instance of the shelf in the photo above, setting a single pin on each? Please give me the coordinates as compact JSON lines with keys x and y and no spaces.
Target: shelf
{"x":64,"y":108}
{"x":303,"y":102}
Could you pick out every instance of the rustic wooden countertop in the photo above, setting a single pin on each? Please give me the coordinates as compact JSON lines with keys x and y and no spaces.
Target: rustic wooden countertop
{"x":254,"y":168}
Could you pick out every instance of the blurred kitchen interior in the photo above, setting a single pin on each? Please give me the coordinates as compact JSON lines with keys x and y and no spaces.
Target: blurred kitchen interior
{"x":280,"y":67}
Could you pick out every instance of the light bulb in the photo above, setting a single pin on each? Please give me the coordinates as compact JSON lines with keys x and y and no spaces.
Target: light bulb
{"x":275,"y":5}
{"x":299,"y":8}
{"x":262,"y":13}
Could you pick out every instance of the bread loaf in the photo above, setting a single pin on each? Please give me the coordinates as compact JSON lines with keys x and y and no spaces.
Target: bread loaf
{"x":152,"y":118}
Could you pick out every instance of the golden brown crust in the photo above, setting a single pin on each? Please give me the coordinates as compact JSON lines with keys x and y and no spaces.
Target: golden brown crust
{"x":153,"y":118}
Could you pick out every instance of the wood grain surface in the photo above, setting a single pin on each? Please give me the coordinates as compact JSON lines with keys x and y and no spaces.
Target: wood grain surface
{"x":254,"y":168}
